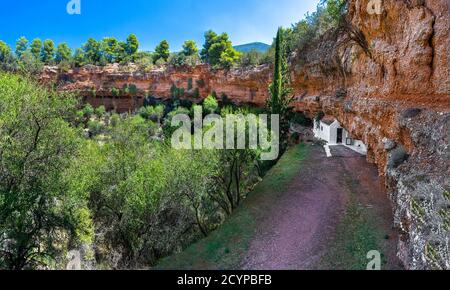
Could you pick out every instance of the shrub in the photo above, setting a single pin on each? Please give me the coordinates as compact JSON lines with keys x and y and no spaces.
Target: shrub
{"x":100,"y":111}
{"x":95,"y":128}
{"x":115,"y":92}
{"x":210,"y":104}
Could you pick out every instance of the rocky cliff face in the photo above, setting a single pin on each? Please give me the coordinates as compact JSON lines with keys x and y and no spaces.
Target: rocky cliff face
{"x":395,"y":96}
{"x":106,"y":85}
{"x":384,"y":77}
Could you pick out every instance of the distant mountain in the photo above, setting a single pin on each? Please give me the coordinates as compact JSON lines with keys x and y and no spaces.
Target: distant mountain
{"x":259,"y":46}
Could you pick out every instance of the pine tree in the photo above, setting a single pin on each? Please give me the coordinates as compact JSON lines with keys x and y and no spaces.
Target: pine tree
{"x":21,"y":46}
{"x":48,"y":51}
{"x":36,"y":48}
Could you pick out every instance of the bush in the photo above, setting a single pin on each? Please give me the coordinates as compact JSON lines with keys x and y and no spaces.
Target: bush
{"x":210,"y":104}
{"x":88,"y":111}
{"x":115,"y":92}
{"x":144,"y":61}
{"x":95,"y":128}
{"x":154,"y":114}
{"x":43,"y":212}
{"x":100,"y":111}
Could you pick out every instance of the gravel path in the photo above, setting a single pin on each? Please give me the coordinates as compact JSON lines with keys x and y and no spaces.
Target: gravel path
{"x":301,"y":224}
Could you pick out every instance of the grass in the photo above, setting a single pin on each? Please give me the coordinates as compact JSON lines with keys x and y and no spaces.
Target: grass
{"x":226,"y":247}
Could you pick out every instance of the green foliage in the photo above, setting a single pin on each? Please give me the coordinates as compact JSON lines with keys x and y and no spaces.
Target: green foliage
{"x":162,"y":51}
{"x":177,"y":92}
{"x":280,"y":101}
{"x":95,"y":128}
{"x":7,"y":60}
{"x":130,"y":89}
{"x":115,"y":92}
{"x":88,"y":111}
{"x":48,"y":52}
{"x":39,"y":214}
{"x":36,"y":48}
{"x":147,"y":198}
{"x":218,"y":51}
{"x":132,"y":45}
{"x":92,"y":51}
{"x":63,"y":53}
{"x":190,"y":48}
{"x":79,"y":58}
{"x":328,"y":15}
{"x":210,"y":104}
{"x":160,"y":62}
{"x":100,"y":111}
{"x":29,"y":64}
{"x":251,"y":58}
{"x":144,"y":61}
{"x":180,"y":59}
{"x":112,"y":50}
{"x":154,"y":114}
{"x":21,"y":46}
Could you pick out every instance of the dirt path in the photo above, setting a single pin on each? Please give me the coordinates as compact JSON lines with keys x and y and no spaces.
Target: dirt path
{"x":308,"y":226}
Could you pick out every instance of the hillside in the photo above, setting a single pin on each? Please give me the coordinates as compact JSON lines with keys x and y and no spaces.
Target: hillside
{"x":259,"y":46}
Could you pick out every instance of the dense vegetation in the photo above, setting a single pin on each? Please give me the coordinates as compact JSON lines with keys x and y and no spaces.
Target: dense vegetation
{"x":79,"y":177}
{"x":329,"y":14}
{"x":31,"y":57}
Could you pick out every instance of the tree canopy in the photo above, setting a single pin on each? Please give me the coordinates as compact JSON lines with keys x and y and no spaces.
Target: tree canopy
{"x":218,"y":50}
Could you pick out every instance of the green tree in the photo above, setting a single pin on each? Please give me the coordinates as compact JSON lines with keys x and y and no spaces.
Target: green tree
{"x":63,"y":53}
{"x":79,"y":59}
{"x":36,"y":48}
{"x":48,"y":51}
{"x":162,"y":51}
{"x":92,"y":51}
{"x":190,"y":48}
{"x":218,"y":51}
{"x":132,"y":45}
{"x":29,"y":64}
{"x":7,"y":60}
{"x":5,"y":51}
{"x":210,"y":37}
{"x":280,"y":101}
{"x":39,"y":215}
{"x":112,"y":50}
{"x":21,"y":46}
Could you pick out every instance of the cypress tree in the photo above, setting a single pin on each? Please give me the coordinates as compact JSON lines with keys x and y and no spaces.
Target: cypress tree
{"x":279,"y":101}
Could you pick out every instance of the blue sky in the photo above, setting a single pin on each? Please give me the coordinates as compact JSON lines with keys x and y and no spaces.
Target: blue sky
{"x":151,"y":20}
